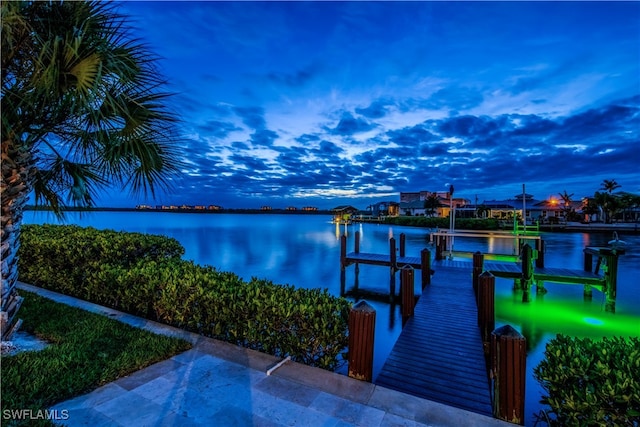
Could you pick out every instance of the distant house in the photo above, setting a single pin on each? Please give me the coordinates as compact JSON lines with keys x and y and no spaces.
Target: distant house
{"x":385,"y":209}
{"x":310,"y":208}
{"x":292,"y":208}
{"x":412,"y":203}
{"x":214,"y":208}
{"x":412,"y":208}
{"x":144,"y":207}
{"x":265,"y":208}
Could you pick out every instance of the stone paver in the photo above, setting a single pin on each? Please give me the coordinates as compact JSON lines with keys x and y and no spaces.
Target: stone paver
{"x":218,"y":384}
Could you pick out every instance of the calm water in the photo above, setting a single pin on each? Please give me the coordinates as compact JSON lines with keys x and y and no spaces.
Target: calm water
{"x":304,"y":250}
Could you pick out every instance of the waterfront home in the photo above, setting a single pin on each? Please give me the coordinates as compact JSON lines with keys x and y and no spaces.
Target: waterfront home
{"x":384,"y":209}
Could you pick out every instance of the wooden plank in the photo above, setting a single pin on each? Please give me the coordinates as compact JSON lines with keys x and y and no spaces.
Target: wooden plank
{"x":439,"y":354}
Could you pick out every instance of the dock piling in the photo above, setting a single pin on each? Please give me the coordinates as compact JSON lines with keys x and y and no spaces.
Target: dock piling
{"x":407,"y":293}
{"x":362,"y":322}
{"x":392,"y":268}
{"x":478,"y":265}
{"x":508,"y":366}
{"x":486,"y":306}
{"x":425,"y":267}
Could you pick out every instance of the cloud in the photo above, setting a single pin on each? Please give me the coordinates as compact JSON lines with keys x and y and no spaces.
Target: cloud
{"x":349,"y":125}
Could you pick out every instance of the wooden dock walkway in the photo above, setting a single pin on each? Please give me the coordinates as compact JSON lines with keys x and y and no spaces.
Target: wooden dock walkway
{"x":439,"y":354}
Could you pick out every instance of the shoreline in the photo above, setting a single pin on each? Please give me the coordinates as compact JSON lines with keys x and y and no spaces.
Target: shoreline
{"x":633,"y":228}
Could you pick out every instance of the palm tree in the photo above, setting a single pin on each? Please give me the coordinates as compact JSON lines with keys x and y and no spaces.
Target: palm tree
{"x":82,"y":109}
{"x":566,"y":202}
{"x":482,"y":211}
{"x":431,"y":203}
{"x":609,"y":185}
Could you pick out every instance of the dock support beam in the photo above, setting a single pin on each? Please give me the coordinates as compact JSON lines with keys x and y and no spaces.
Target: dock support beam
{"x":540,"y":248}
{"x":527,"y":272}
{"x":611,"y":282}
{"x":508,"y":366}
{"x":362,"y":323}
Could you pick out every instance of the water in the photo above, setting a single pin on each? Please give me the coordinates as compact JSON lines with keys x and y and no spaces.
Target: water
{"x":304,"y":250}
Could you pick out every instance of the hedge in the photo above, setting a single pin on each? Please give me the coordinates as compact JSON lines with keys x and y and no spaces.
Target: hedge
{"x":591,"y":382}
{"x":443,"y":222}
{"x":144,"y":275}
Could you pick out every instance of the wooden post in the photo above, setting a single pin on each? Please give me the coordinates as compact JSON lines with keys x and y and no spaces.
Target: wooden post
{"x":527,"y":272}
{"x":438,"y":248}
{"x":540,"y":247}
{"x":478,"y":266}
{"x":508,"y":367}
{"x":588,"y":261}
{"x":486,"y":306}
{"x":362,"y":323}
{"x":425,"y":266}
{"x":407,"y":292}
{"x":611,"y":277}
{"x":392,"y":268}
{"x":343,"y":262}
{"x":403,"y":241}
{"x":356,"y":249}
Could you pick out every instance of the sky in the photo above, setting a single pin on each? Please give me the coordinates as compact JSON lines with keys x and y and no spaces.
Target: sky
{"x":329,"y":103}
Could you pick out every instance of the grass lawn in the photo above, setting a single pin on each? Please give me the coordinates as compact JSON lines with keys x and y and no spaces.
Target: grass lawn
{"x":87,"y":350}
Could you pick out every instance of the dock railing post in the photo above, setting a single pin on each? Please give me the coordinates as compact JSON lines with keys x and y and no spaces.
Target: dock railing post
{"x":356,"y":243}
{"x":403,"y":241}
{"x":478,"y":266}
{"x":508,"y":368}
{"x":425,"y":266}
{"x":486,"y":307}
{"x":362,"y":322}
{"x":407,"y":293}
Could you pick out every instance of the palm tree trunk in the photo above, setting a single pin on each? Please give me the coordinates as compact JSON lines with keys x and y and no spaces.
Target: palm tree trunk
{"x":17,"y":167}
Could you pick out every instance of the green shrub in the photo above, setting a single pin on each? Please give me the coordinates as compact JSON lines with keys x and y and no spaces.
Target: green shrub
{"x":65,"y":254}
{"x":443,"y":222}
{"x":310,"y":325}
{"x":591,"y":382}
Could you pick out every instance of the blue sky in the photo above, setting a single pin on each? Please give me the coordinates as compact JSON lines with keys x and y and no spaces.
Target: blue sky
{"x":328,"y":103}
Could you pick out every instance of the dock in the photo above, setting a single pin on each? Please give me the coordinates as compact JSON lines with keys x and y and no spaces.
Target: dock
{"x":394,"y":261}
{"x":439,"y":354}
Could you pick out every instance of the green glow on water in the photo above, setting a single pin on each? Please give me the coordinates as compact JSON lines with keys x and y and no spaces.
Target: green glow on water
{"x":592,"y":321}
{"x":569,"y":316}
